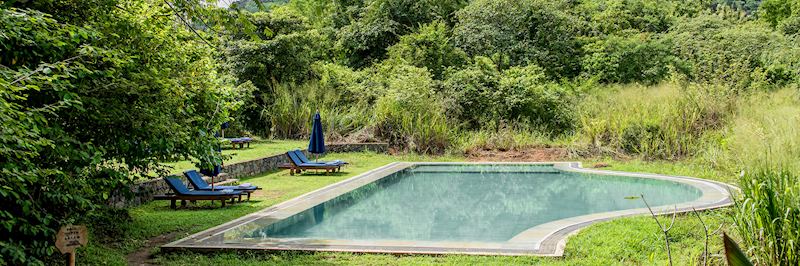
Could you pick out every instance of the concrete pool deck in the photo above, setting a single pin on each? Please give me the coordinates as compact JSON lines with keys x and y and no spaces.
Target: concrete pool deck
{"x":547,"y":239}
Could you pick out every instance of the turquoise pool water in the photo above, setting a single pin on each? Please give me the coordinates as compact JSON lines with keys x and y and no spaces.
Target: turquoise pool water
{"x":483,"y":203}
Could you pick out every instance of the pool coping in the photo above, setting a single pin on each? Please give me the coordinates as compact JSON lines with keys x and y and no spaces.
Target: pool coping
{"x":547,"y":239}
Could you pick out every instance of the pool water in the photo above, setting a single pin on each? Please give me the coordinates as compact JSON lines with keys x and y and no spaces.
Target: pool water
{"x":482,"y":203}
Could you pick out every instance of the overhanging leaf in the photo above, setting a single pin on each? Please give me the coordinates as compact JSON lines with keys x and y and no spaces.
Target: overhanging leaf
{"x":733,"y":253}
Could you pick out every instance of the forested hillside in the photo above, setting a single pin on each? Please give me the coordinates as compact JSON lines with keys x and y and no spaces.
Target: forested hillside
{"x":427,"y":75}
{"x":95,"y":95}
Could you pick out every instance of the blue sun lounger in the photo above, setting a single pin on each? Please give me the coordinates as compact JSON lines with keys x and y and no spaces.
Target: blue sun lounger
{"x":297,"y":166}
{"x":182,"y":193}
{"x":304,"y":159}
{"x":197,"y":182}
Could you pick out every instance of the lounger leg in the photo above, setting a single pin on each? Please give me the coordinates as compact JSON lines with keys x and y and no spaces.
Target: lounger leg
{"x":248,"y":196}
{"x":172,"y":204}
{"x":183,"y":203}
{"x":223,"y":203}
{"x":240,"y":198}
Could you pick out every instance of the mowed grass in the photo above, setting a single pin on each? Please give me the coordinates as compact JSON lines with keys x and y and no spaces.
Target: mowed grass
{"x":633,"y":240}
{"x":258,"y":149}
{"x":156,"y":218}
{"x":689,"y":168}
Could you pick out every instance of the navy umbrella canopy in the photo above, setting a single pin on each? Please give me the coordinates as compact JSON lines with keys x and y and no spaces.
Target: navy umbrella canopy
{"x":317,"y":143}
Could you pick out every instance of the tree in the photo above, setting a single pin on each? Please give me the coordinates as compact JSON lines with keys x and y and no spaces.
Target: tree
{"x":527,"y":32}
{"x":711,"y":48}
{"x":485,"y":97}
{"x":628,"y":57}
{"x":430,"y":47}
{"x":87,"y":110}
{"x":380,"y":23}
{"x":283,"y":53}
{"x":781,"y":14}
{"x":611,"y":16}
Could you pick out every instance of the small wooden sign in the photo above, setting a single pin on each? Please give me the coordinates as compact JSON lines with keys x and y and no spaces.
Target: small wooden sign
{"x":69,"y":238}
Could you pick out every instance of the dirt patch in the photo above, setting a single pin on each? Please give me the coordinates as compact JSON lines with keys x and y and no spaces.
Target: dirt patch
{"x":525,"y":155}
{"x":142,"y":256}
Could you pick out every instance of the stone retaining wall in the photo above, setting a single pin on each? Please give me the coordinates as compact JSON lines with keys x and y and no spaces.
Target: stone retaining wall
{"x":144,"y":191}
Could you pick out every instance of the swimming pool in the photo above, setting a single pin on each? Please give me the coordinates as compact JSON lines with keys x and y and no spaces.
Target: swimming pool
{"x":487,"y":208}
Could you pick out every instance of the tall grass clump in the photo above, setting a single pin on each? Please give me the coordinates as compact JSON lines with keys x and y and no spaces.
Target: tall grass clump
{"x":294,"y":106}
{"x":667,"y":121}
{"x":412,"y":119}
{"x":420,"y":132}
{"x":764,"y":140}
{"x":766,"y":121}
{"x":507,"y":138}
{"x":767,"y":217}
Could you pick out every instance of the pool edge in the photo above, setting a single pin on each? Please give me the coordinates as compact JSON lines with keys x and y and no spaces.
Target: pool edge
{"x":552,"y":243}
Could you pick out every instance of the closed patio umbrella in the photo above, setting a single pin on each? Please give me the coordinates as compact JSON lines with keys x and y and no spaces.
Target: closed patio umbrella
{"x":317,"y":143}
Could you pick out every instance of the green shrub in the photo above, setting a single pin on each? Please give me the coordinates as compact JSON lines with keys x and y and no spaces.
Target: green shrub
{"x":412,"y":129}
{"x":407,"y":113}
{"x":720,"y":50}
{"x":294,"y":106}
{"x":430,"y":47}
{"x":527,"y":32}
{"x":629,"y":57}
{"x":612,"y":16}
{"x":523,"y":94}
{"x":391,"y":102}
{"x":485,"y":97}
{"x":377,"y":24}
{"x":763,"y":141}
{"x":781,"y":14}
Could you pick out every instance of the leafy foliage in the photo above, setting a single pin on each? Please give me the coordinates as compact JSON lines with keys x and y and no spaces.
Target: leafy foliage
{"x":430,"y":47}
{"x":96,"y":93}
{"x":87,"y":111}
{"x":470,"y":48}
{"x":629,"y":57}
{"x":375,"y":25}
{"x":717,"y":50}
{"x":486,"y":97}
{"x":524,"y":32}
{"x":612,"y":16}
{"x":733,"y":253}
{"x":783,"y":15}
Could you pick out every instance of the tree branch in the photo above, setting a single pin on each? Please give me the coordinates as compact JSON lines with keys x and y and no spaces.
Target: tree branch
{"x":664,"y":230}
{"x":187,"y":24}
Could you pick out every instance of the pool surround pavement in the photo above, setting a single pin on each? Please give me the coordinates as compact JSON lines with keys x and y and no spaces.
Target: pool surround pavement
{"x":547,"y":239}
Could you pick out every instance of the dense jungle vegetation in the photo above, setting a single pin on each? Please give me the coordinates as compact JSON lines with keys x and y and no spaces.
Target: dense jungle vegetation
{"x":96,"y":94}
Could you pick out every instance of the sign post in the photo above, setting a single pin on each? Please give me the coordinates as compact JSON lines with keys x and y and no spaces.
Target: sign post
{"x":69,"y":238}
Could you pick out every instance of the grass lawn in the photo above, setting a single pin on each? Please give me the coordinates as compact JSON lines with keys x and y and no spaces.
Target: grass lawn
{"x":635,"y":240}
{"x":259,"y":149}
